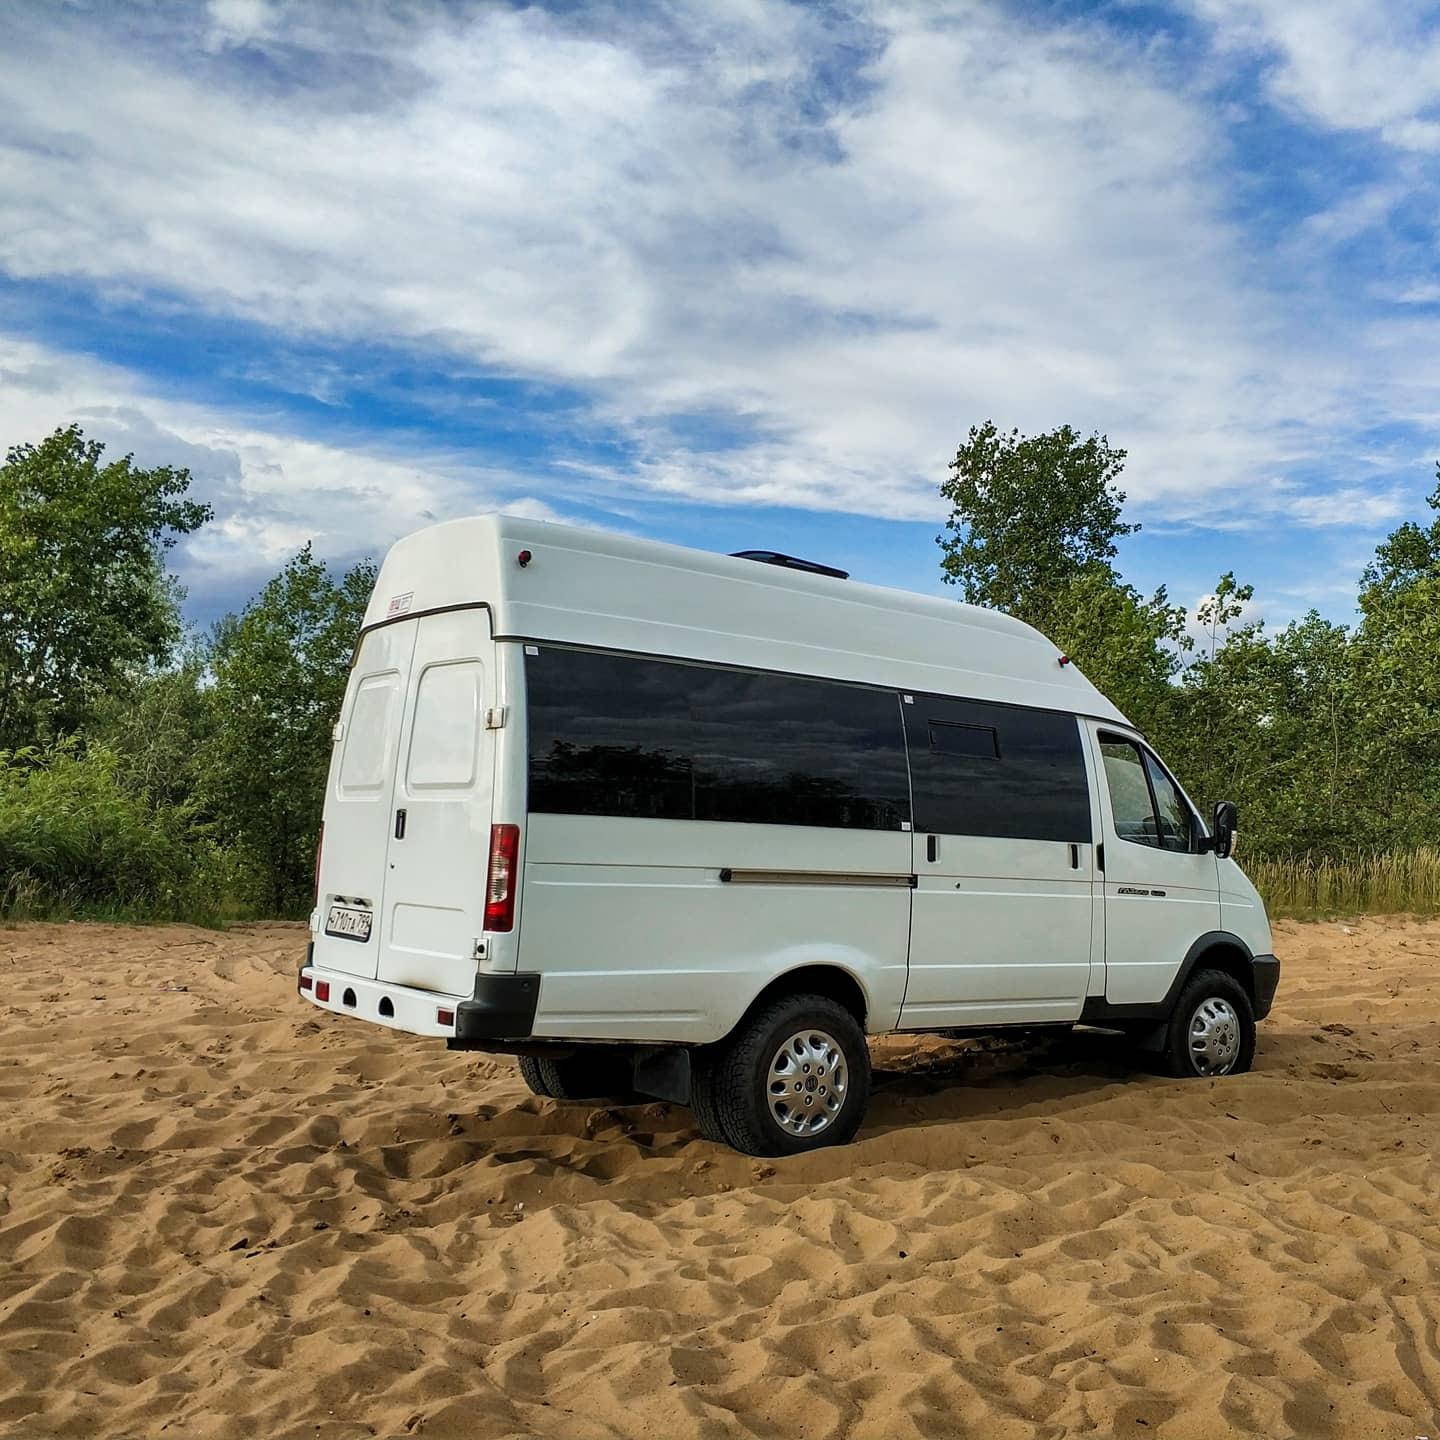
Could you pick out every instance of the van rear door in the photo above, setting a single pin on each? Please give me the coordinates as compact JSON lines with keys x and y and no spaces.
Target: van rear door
{"x":359,"y":803}
{"x":439,"y":832}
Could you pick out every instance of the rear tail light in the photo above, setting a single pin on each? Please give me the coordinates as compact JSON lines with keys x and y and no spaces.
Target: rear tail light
{"x":500,"y":884}
{"x":319,"y":850}
{"x":322,"y":989}
{"x":444,"y":1017}
{"x":307,"y":982}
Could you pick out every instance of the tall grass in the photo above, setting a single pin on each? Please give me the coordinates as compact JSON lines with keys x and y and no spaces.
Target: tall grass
{"x":1379,"y":882}
{"x":76,"y":842}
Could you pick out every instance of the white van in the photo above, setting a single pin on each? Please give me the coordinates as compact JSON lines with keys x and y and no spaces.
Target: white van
{"x":692,"y":826}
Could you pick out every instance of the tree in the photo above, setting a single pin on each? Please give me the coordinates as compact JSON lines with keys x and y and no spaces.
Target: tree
{"x":1219,"y":611}
{"x":280,"y":669}
{"x":84,"y":596}
{"x":1398,"y":678}
{"x":1030,"y":515}
{"x":1033,"y":531}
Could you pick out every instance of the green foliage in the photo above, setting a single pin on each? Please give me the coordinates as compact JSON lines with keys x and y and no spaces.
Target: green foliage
{"x":157,"y":725}
{"x":1030,"y":516}
{"x":1326,"y":737}
{"x":1397,"y":680}
{"x":1032,"y":532}
{"x":280,"y":670}
{"x":84,"y":597}
{"x":75,"y":840}
{"x":135,"y":783}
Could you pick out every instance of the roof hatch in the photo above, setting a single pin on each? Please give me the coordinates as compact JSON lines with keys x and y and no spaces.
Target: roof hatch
{"x":790,"y":562}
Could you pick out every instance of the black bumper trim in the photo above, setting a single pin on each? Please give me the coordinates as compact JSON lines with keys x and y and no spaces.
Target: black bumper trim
{"x":1267,"y":977}
{"x":503,"y":1008}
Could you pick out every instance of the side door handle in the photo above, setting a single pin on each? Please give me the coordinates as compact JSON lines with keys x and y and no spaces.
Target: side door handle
{"x":932,"y":848}
{"x":400,"y":824}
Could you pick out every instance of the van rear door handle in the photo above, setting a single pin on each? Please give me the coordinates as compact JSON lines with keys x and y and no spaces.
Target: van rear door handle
{"x":399,"y":824}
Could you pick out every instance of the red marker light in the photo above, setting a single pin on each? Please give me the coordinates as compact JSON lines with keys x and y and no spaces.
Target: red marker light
{"x":322,"y":989}
{"x":524,"y":557}
{"x":444,"y":1017}
{"x":1064,"y":660}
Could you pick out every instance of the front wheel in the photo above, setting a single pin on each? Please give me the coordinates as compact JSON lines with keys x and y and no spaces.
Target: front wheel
{"x":1212,"y":1028}
{"x":793,"y":1077}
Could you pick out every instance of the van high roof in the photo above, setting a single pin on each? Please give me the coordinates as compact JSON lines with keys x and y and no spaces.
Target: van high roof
{"x":559,"y":584}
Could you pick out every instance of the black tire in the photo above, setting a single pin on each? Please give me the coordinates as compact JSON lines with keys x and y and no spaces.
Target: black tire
{"x":734,"y":1091}
{"x":606,"y":1075}
{"x":703,"y":1097}
{"x":1212,"y":1018}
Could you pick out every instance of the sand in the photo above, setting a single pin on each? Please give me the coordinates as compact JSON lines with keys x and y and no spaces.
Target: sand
{"x":224,"y":1214}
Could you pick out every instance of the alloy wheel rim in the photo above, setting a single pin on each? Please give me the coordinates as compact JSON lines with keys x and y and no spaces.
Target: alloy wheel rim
{"x":1214,"y":1037}
{"x":807,"y":1083}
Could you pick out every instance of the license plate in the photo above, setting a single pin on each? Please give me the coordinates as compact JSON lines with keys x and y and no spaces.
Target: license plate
{"x":347,"y":924}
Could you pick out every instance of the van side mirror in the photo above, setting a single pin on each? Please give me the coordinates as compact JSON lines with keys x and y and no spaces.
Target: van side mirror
{"x":1222,"y":829}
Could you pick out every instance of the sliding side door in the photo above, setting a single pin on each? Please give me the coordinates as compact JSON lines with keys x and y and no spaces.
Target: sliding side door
{"x":1001,"y":921}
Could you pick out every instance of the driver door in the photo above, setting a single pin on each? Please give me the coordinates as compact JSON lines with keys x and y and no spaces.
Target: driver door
{"x":1160,"y":893}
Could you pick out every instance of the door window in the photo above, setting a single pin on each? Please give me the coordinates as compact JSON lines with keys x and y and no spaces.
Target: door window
{"x":443,"y":740}
{"x":1176,"y":822}
{"x":998,"y":771}
{"x":370,"y":735}
{"x":1147,"y":807}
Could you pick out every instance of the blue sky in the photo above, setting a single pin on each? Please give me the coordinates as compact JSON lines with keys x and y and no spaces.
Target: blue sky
{"x":737,"y":273}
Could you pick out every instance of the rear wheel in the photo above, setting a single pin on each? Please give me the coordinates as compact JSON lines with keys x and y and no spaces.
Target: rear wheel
{"x":795,"y":1076}
{"x":1212,"y":1028}
{"x":604,"y":1075}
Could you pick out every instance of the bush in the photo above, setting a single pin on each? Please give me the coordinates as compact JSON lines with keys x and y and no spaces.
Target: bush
{"x":75,"y":840}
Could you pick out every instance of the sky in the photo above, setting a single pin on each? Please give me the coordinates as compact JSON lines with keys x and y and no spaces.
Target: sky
{"x":733,"y":273}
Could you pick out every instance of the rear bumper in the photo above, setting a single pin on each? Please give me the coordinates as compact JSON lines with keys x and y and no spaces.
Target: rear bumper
{"x":397,"y":1007}
{"x":1267,"y":977}
{"x":501,"y":1008}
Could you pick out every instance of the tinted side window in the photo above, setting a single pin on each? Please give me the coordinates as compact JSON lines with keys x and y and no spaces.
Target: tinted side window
{"x":617,"y":735}
{"x":997,"y":770}
{"x":775,"y":750}
{"x":609,"y":736}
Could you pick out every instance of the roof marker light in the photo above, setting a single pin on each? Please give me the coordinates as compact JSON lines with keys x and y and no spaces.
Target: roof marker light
{"x":1064,"y":660}
{"x":524,"y":557}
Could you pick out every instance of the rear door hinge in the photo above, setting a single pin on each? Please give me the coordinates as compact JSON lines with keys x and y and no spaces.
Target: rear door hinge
{"x":495,"y":717}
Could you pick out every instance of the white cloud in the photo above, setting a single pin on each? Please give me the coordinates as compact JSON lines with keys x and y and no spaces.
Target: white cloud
{"x":675,"y":211}
{"x":272,"y":491}
{"x":1371,"y":65}
{"x":239,"y":22}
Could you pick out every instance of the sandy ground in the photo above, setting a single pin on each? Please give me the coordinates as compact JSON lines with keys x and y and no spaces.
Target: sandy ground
{"x":223,"y":1214}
